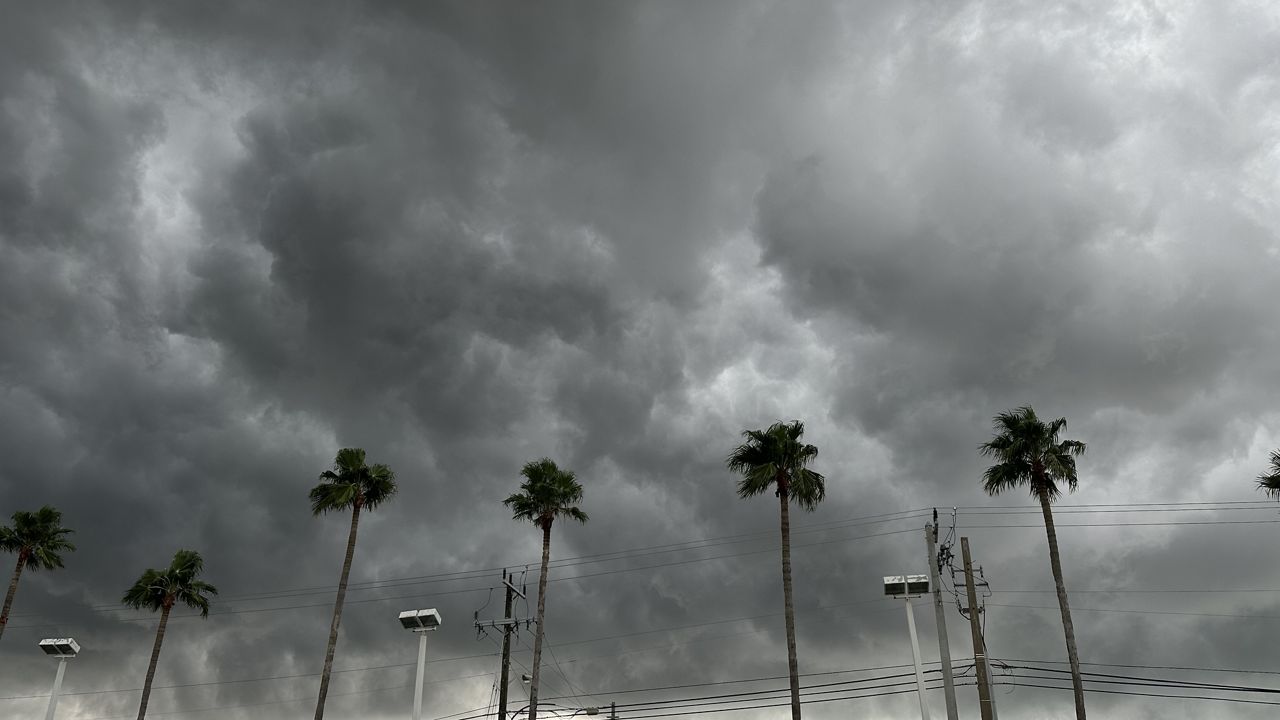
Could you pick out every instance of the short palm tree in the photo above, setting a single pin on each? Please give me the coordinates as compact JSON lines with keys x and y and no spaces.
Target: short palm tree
{"x":776,"y":458}
{"x":351,"y":485}
{"x":39,"y":540}
{"x":161,"y":590}
{"x":546,"y":494}
{"x":1029,"y":454}
{"x":1268,"y":482}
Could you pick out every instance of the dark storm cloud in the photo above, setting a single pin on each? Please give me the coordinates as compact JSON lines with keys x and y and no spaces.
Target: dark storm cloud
{"x":466,"y":235}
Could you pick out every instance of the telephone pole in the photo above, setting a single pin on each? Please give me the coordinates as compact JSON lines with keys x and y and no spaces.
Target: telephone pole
{"x":979,"y":646}
{"x":944,"y":645}
{"x":508,"y":625}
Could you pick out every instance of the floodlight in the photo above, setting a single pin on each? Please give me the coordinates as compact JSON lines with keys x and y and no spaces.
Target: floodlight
{"x":906,"y":585}
{"x":420,"y":619}
{"x":64,"y":649}
{"x":60,"y":647}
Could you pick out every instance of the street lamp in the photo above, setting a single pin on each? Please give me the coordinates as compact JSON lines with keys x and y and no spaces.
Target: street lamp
{"x":64,"y":649}
{"x":907,"y":587}
{"x":421,"y":622}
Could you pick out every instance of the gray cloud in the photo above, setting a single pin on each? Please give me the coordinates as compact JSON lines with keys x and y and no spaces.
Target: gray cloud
{"x":466,"y":235}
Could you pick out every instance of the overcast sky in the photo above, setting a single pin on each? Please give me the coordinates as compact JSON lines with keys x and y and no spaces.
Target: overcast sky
{"x":235,"y":237}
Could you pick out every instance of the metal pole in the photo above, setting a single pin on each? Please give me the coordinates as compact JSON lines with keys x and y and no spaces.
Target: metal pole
{"x":57,"y":687}
{"x":975,"y":628}
{"x":422,"y":667}
{"x":939,"y":612}
{"x":915,"y":656}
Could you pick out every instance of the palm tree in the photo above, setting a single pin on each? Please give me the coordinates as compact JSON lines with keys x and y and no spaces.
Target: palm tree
{"x":351,"y":484}
{"x":1268,"y":482}
{"x":546,"y":493}
{"x":776,"y":458}
{"x":161,"y":590}
{"x":1028,"y":453}
{"x":37,"y":538}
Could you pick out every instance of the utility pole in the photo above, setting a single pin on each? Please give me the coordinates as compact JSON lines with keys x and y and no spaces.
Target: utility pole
{"x":975,"y":627}
{"x":944,"y":645}
{"x":613,"y":711}
{"x":508,"y":625}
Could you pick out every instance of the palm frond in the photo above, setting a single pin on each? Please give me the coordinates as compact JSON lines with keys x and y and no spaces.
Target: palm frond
{"x":156,"y":589}
{"x":41,"y":535}
{"x":1027,"y":452}
{"x":1269,"y":482}
{"x":351,"y":482}
{"x":767,"y":457}
{"x":546,"y":493}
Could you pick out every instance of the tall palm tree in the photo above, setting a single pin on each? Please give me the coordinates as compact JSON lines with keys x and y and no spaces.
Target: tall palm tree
{"x":38,"y":539}
{"x":1268,"y":482}
{"x":777,"y":458}
{"x":1029,"y":454}
{"x":546,"y":494}
{"x":161,"y":590}
{"x":350,"y":485}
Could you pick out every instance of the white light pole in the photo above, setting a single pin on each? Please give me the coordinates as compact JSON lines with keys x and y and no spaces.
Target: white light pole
{"x":421,"y":622}
{"x":64,"y":649}
{"x":907,"y":587}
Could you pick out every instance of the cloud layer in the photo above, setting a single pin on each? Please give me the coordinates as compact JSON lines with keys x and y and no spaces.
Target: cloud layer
{"x":467,"y":235}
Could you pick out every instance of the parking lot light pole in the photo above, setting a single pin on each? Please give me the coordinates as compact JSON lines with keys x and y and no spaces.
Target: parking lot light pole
{"x":64,"y":649}
{"x":420,"y":622}
{"x":906,"y":587}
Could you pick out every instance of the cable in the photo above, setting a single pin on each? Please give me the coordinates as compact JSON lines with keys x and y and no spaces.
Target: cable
{"x":562,"y":562}
{"x":1142,"y":694}
{"x":1143,"y":612}
{"x":1154,"y":667}
{"x":478,"y":589}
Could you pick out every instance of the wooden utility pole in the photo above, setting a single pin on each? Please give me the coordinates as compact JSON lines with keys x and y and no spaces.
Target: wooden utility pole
{"x":506,"y":651}
{"x":508,"y":625}
{"x":944,"y":644}
{"x":975,"y":627}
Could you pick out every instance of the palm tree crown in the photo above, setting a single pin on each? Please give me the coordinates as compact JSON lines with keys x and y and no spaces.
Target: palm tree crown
{"x":1269,"y":482}
{"x":1027,"y":452}
{"x":777,"y":457}
{"x":160,"y":589}
{"x":546,"y":493}
{"x":38,"y":537}
{"x":352,"y":483}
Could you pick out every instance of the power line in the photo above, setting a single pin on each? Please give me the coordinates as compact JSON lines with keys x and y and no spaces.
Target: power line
{"x":1144,"y":612}
{"x":737,"y":538}
{"x":1154,"y":667}
{"x":559,"y":579}
{"x":1143,"y":694}
{"x":555,"y":564}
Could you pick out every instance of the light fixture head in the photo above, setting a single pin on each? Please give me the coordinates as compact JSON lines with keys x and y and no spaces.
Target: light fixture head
{"x":906,"y":585}
{"x":60,"y":647}
{"x":420,"y":619}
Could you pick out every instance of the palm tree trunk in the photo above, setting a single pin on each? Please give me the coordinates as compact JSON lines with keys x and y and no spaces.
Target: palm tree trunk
{"x":155,"y":658}
{"x":337,"y":612}
{"x":793,"y":665}
{"x":13,"y":590}
{"x":542,"y":611}
{"x":1077,"y":685}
